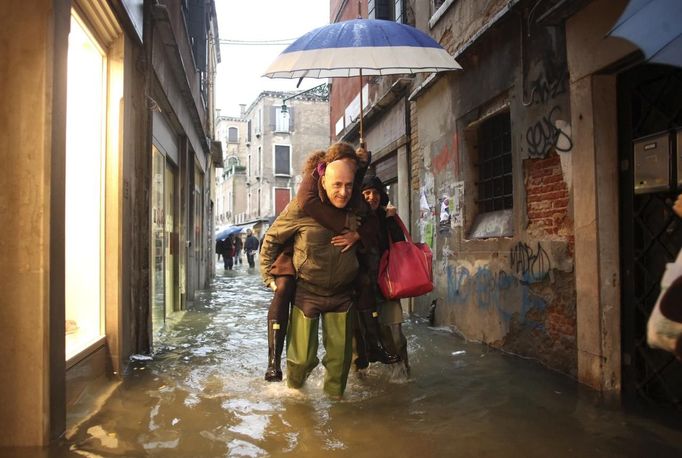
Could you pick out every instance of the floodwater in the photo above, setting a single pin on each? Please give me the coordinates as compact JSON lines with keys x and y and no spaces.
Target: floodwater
{"x":203,"y":395}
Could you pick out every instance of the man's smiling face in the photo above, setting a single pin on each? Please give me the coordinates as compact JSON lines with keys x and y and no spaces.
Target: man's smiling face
{"x":337,"y":182}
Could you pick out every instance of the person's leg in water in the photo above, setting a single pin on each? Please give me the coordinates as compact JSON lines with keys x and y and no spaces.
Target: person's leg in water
{"x":390,"y":319}
{"x":368,"y":325}
{"x":278,"y":319}
{"x":278,"y":312}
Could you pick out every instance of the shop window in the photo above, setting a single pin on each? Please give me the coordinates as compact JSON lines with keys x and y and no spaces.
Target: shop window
{"x":84,"y":193}
{"x":283,"y":160}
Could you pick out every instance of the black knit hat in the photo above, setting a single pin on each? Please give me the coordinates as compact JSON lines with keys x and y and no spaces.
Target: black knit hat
{"x":373,"y":182}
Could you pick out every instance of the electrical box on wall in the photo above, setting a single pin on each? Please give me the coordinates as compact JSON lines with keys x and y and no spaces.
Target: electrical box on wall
{"x":652,"y":164}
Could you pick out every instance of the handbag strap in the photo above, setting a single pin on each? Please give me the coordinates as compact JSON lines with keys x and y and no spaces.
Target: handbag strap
{"x":407,"y":235}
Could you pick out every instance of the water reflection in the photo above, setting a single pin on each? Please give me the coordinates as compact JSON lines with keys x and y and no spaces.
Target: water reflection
{"x":203,"y":395}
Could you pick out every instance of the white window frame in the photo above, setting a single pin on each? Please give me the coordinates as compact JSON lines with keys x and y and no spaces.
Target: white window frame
{"x":281,"y":120}
{"x":274,"y":160}
{"x":438,"y":13}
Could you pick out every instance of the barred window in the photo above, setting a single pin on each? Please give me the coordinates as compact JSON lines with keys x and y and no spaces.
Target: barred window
{"x":495,"y":164}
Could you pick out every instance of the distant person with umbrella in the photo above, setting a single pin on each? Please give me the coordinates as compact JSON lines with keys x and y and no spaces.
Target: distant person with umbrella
{"x":225,"y":248}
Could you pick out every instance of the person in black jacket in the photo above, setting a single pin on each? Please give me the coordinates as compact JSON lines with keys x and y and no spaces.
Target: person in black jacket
{"x":382,"y":221}
{"x":237,"y":249}
{"x":251,"y":247}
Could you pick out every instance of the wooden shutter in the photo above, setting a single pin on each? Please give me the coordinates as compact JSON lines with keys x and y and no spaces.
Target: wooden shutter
{"x":282,"y":160}
{"x":291,"y":119}
{"x":282,"y":198}
{"x":273,"y":118}
{"x":197,"y":31}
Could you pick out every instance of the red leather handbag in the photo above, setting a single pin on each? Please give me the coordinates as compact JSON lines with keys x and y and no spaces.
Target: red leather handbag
{"x":405,"y":269}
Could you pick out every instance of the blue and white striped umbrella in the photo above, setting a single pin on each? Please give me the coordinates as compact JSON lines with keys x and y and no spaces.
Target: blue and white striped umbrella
{"x":361,"y":47}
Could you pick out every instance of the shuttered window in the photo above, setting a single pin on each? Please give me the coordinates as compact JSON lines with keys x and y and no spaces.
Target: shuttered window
{"x":232,"y":135}
{"x":283,"y":160}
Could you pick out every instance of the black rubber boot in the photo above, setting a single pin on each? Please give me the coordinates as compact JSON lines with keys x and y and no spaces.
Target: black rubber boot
{"x":275,"y":345}
{"x":361,"y":361}
{"x":375,"y":348}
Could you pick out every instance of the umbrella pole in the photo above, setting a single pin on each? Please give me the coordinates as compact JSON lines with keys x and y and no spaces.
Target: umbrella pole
{"x":362,"y":138}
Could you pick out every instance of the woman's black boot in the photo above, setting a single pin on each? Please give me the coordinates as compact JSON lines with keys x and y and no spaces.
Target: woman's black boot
{"x":275,"y":345}
{"x":375,"y":348}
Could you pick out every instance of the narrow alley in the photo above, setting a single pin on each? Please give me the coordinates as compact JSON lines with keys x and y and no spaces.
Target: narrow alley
{"x":203,"y":395}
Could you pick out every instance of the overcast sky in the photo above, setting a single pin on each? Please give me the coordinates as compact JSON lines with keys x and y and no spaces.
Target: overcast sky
{"x":238,"y":80}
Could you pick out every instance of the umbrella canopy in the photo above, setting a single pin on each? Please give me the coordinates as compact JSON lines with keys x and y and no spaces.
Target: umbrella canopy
{"x":225,"y":233}
{"x":361,"y":47}
{"x":655,"y":26}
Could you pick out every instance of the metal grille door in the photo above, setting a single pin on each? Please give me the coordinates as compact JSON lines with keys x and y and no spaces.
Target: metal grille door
{"x":650,"y":102}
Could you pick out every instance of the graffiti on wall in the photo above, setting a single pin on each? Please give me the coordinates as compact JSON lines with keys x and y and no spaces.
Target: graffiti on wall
{"x":546,"y":129}
{"x":547,"y":133}
{"x":530,"y":266}
{"x":544,"y":89}
{"x":492,"y":289}
{"x":448,"y":156}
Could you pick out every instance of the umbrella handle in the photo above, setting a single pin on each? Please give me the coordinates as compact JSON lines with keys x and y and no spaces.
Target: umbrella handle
{"x":362,"y":130}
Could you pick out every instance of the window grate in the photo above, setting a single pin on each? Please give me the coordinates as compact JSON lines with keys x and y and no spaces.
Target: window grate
{"x":495,"y":189}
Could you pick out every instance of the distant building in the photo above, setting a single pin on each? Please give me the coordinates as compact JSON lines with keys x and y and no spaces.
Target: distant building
{"x":231,"y":180}
{"x":263,"y":164}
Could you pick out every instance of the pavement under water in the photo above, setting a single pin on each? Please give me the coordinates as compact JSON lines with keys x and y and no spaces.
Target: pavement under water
{"x":203,"y":395}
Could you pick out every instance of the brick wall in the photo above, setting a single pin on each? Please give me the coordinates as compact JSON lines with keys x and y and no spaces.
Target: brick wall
{"x":547,"y":197}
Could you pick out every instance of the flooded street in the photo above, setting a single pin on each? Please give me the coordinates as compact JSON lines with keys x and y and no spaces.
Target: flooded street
{"x":203,"y":395}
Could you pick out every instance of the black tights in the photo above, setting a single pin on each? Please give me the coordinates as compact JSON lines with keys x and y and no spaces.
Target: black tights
{"x":284,"y":295}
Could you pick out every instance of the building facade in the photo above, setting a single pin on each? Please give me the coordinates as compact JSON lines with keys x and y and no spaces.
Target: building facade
{"x":521,"y":175}
{"x":109,"y":184}
{"x":231,"y":181}
{"x":277,"y":142}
